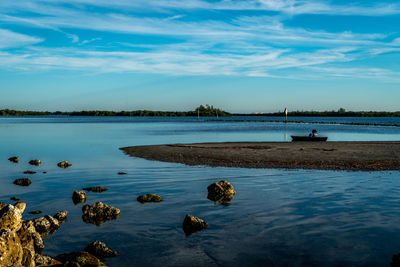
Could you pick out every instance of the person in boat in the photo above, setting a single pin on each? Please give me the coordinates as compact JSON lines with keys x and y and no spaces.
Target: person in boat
{"x":313,"y":133}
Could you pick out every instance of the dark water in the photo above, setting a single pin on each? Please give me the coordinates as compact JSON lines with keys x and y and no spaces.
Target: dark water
{"x":277,"y":218}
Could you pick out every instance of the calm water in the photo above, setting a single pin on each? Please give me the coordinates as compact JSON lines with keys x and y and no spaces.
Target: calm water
{"x":278,"y":217}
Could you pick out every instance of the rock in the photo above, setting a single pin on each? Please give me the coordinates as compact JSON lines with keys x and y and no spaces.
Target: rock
{"x":35,"y":162}
{"x":44,"y":172}
{"x":222,"y":192}
{"x":29,"y":237}
{"x":41,"y":260}
{"x":23,"y":182}
{"x":99,"y":213}
{"x":14,"y":159}
{"x":79,"y":197}
{"x":10,"y":248}
{"x":100,"y":250}
{"x":2,"y":205}
{"x":31,"y":243}
{"x":97,"y":189}
{"x":395,"y":260}
{"x":11,"y":216}
{"x":192,"y":224}
{"x":64,"y":164}
{"x":121,"y":173}
{"x":29,"y":172}
{"x":149,"y":198}
{"x":35,"y":212}
{"x":82,"y":258}
{"x":45,"y":225}
{"x":61,"y":216}
{"x":15,"y":198}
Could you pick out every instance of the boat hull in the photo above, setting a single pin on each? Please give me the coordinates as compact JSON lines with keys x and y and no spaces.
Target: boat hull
{"x":309,"y":138}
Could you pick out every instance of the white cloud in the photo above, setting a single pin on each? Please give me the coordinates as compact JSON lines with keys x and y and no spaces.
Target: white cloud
{"x":9,"y":39}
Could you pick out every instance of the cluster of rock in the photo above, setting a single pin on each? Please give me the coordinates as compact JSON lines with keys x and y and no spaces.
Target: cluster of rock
{"x":14,"y":159}
{"x":79,"y":197}
{"x":149,"y":198}
{"x":21,"y":242}
{"x":23,"y":182}
{"x":35,"y":162}
{"x":97,"y":189}
{"x":221,"y":192}
{"x":99,"y":213}
{"x":64,"y":164}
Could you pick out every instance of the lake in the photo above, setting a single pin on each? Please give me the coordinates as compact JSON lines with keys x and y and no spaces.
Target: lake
{"x":277,"y":218}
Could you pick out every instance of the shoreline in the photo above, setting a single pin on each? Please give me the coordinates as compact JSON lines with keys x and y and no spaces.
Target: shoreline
{"x":354,"y":156}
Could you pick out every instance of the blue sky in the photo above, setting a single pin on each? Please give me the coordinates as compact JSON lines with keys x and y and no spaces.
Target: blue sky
{"x":242,"y":56}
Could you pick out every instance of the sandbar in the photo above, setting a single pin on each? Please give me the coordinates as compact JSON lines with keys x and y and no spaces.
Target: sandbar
{"x":365,"y":156}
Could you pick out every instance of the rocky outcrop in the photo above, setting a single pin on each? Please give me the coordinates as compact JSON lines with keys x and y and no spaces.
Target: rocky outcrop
{"x":11,"y":251}
{"x":192,"y":224}
{"x":121,"y":173}
{"x":149,"y":198}
{"x":64,"y":164}
{"x":15,"y":198}
{"x":222,"y":192}
{"x":14,"y":159}
{"x":20,"y":241}
{"x":23,"y":182}
{"x":35,"y":162}
{"x":2,"y":205}
{"x":79,"y":197}
{"x":29,"y":172}
{"x":97,"y":189}
{"x":11,"y":216}
{"x":31,"y":243}
{"x":100,"y":250}
{"x":82,"y":259}
{"x":99,"y":213}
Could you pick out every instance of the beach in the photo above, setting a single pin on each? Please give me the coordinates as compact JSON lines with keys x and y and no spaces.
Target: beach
{"x":369,"y":156}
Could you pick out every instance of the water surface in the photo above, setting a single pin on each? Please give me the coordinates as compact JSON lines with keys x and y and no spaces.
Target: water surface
{"x":278,"y":217}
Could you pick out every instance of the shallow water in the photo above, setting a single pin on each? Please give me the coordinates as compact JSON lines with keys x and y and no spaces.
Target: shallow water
{"x":277,"y":218}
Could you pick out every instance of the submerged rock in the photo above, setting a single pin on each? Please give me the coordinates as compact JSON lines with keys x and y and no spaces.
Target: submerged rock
{"x":79,"y":197}
{"x":61,"y":216}
{"x":99,"y":213}
{"x":97,"y":189}
{"x":222,"y":192}
{"x":82,"y":259}
{"x":23,"y":182}
{"x":35,"y":162}
{"x":11,"y":251}
{"x":100,"y":250}
{"x":14,"y":159}
{"x":121,"y":173}
{"x":15,"y":198}
{"x":192,"y":224}
{"x":29,"y":172}
{"x":149,"y":198}
{"x":11,"y":216}
{"x":35,"y":212}
{"x":41,"y":260}
{"x":64,"y":164}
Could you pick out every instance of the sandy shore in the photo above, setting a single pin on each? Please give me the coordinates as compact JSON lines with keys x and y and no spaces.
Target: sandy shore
{"x":304,"y":155}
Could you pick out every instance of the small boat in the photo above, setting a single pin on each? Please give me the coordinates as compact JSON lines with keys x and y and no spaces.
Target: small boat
{"x":309,"y":138}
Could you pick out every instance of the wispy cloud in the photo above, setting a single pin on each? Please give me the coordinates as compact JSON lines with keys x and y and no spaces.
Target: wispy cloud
{"x":9,"y":39}
{"x":251,"y":44}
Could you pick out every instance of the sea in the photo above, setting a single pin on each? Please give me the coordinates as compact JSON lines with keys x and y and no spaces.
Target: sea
{"x":278,"y":217}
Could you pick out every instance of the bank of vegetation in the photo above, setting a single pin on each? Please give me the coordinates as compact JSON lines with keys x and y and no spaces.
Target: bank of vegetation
{"x":203,"y":111}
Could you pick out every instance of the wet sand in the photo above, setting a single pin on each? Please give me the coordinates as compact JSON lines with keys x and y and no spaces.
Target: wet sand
{"x":367,"y":156}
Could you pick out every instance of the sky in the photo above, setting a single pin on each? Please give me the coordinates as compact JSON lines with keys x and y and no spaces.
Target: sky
{"x":238,"y":55}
